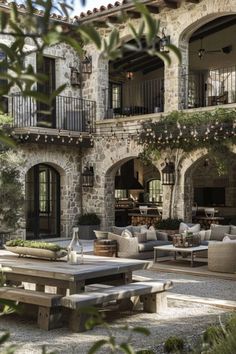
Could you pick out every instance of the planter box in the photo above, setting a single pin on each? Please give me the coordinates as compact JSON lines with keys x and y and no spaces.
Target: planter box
{"x":36,"y":252}
{"x":86,"y":232}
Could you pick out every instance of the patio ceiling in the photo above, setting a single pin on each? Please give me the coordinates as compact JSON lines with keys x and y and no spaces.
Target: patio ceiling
{"x":139,"y":61}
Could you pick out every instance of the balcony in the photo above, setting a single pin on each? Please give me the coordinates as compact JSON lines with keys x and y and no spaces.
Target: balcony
{"x":66,"y":114}
{"x":134,"y":98}
{"x":209,"y":88}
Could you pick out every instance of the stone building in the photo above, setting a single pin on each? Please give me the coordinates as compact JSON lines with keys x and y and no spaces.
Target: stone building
{"x":96,"y":124}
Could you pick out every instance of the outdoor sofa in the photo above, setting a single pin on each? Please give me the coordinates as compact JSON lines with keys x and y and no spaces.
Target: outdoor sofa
{"x":135,"y":244}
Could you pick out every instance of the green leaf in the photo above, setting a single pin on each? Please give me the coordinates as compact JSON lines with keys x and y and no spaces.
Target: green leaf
{"x":91,"y":34}
{"x":141,"y":330}
{"x":97,"y":345}
{"x":126,"y":348}
{"x":176,"y":51}
{"x":4,"y":337}
{"x":6,"y":140}
{"x":163,"y":56}
{"x":57,"y":92}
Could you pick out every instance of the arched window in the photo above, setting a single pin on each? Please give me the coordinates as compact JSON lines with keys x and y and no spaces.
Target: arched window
{"x":155,"y":190}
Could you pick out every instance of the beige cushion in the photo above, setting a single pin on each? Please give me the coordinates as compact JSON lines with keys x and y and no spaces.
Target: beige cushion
{"x":232,"y":229}
{"x":228,"y":239}
{"x":151,"y":235}
{"x":101,"y":234}
{"x":118,"y":230}
{"x":189,"y":227}
{"x":142,"y":237}
{"x":218,"y":231}
{"x":126,"y":233}
{"x":231,"y":237}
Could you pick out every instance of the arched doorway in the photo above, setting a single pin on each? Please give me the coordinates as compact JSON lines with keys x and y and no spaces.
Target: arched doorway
{"x":208,"y":188}
{"x":42,"y":202}
{"x":210,"y":78}
{"x":131,"y":184}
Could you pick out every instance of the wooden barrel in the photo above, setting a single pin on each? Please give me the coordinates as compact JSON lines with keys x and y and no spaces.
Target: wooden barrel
{"x":105,"y":248}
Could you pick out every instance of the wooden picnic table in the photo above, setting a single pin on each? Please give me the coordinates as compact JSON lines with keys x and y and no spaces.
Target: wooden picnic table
{"x":63,"y":276}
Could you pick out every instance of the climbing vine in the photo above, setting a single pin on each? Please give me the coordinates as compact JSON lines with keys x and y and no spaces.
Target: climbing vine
{"x":213,"y":130}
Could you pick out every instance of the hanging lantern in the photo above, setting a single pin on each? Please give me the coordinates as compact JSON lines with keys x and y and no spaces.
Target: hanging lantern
{"x":129,"y":75}
{"x":88,"y":177}
{"x":86,"y":65}
{"x":168,"y":174}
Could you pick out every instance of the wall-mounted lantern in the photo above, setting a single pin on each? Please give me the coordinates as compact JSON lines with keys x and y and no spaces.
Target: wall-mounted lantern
{"x":74,"y":77}
{"x":86,"y":65}
{"x":129,"y":75}
{"x":168,"y":174}
{"x":164,"y":41}
{"x":88,"y":176}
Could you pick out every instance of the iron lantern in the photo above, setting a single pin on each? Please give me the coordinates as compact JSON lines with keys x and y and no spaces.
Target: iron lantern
{"x":88,"y":177}
{"x":168,"y":174}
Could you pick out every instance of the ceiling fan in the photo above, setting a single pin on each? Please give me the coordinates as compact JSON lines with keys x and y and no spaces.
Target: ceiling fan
{"x":202,"y":51}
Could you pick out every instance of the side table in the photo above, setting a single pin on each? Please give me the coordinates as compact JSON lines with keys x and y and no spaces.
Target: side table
{"x":105,"y":248}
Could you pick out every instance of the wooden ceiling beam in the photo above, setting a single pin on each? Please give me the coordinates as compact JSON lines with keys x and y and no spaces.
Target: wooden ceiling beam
{"x":213,"y":27}
{"x":119,"y":63}
{"x":146,"y":64}
{"x":133,"y":14}
{"x":173,"y":4}
{"x":153,"y":9}
{"x":152,"y":68}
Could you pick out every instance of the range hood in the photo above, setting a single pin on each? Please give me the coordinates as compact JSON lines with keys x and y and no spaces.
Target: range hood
{"x":125,"y":179}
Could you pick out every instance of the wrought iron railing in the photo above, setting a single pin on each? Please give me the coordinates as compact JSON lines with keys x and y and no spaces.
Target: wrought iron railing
{"x":135,"y":98}
{"x":66,"y":113}
{"x":209,"y":88}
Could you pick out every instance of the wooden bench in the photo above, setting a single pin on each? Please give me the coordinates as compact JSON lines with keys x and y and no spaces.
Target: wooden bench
{"x":151,"y":294}
{"x":49,"y":311}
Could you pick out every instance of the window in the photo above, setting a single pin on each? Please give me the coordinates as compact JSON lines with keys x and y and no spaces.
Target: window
{"x":121,"y":193}
{"x":115,"y":96}
{"x":3,"y":82}
{"x":45,"y":198}
{"x":155,"y":191}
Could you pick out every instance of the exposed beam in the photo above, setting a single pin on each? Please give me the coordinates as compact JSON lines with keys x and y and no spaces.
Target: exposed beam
{"x":112,"y":11}
{"x":153,"y":9}
{"x":126,"y":58}
{"x":173,"y":4}
{"x":145,"y":65}
{"x":213,"y":27}
{"x":152,"y":68}
{"x":140,"y":60}
{"x":133,"y":14}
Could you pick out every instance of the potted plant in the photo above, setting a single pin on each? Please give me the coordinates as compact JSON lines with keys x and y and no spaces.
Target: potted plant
{"x":87,"y":224}
{"x":170,"y":226}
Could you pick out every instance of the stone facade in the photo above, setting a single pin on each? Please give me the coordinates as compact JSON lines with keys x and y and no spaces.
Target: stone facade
{"x":108,"y":152}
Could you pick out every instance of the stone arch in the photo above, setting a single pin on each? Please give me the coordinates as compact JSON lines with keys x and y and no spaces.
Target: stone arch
{"x":67,"y":164}
{"x":207,"y":12}
{"x":188,"y":169}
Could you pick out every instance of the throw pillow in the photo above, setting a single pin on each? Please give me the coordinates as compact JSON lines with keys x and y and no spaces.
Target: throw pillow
{"x":232,"y":237}
{"x":232,"y":229}
{"x":189,"y":227}
{"x":151,"y":235}
{"x":136,"y":229}
{"x":218,"y":231}
{"x":126,"y":233}
{"x":142,"y":237}
{"x":228,"y":239}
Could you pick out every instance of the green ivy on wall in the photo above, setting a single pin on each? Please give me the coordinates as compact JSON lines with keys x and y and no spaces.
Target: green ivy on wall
{"x":214,"y":130}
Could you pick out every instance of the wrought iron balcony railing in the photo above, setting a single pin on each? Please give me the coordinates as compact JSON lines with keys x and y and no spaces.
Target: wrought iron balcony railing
{"x":66,"y":113}
{"x":209,"y":88}
{"x":134,"y":98}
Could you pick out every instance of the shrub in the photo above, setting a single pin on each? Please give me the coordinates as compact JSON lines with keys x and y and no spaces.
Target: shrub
{"x":168,"y":224}
{"x":173,"y":344}
{"x":89,"y":219}
{"x":212,"y":334}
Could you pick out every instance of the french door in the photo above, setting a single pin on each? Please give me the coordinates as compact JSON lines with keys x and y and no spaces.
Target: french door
{"x":42,"y":202}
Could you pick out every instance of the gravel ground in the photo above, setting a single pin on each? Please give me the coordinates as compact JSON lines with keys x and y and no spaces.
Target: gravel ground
{"x":187,"y":320}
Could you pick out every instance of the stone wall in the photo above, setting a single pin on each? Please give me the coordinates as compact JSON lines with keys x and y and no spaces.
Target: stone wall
{"x":67,"y":162}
